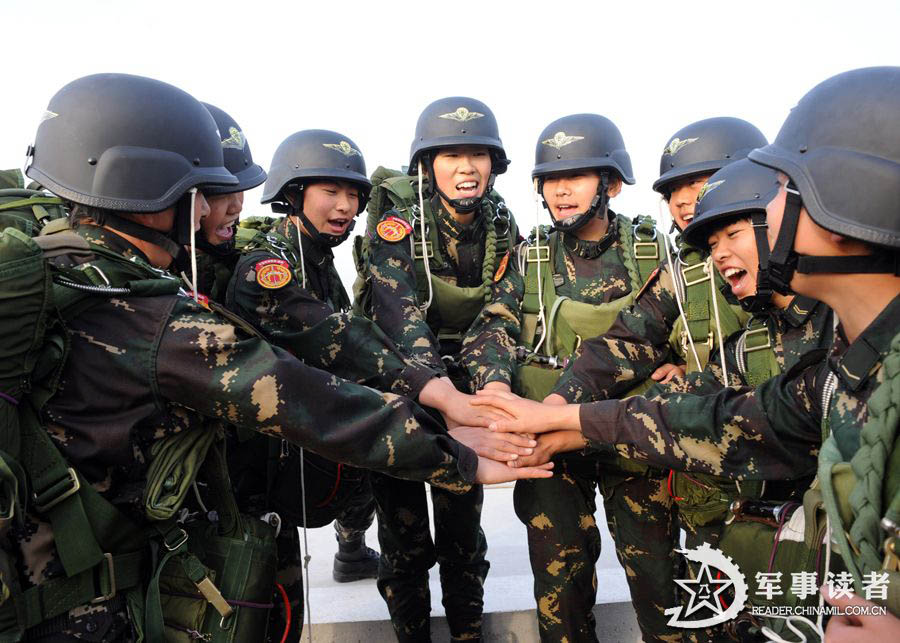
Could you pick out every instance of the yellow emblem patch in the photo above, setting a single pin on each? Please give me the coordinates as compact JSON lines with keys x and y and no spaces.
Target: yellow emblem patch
{"x":273,"y":273}
{"x":501,"y":269}
{"x":393,"y":229}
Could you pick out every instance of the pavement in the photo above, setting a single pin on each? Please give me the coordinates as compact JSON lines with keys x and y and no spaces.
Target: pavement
{"x":347,"y":612}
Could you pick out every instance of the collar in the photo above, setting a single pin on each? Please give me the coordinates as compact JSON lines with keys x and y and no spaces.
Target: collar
{"x":593,"y":249}
{"x":313,"y":253}
{"x":856,"y":363}
{"x":111,"y":241}
{"x":456,"y":230}
{"x":799,"y":310}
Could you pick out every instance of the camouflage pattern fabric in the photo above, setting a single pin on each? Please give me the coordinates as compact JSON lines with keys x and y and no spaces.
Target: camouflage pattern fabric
{"x":175,"y":365}
{"x":486,"y":354}
{"x":772,"y":432}
{"x":558,"y":513}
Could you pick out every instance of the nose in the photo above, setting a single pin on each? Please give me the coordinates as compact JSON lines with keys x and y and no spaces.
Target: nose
{"x":563,"y":188}
{"x":722,"y":250}
{"x":342,"y":204}
{"x":236,"y":203}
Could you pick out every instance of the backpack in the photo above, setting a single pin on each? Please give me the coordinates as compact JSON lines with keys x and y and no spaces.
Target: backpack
{"x":104,"y":554}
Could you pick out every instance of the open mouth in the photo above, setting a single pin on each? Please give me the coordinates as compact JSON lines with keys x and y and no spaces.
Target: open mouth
{"x":737,"y":279}
{"x":337,"y":226}
{"x":467,"y":189}
{"x":564,"y":210}
{"x":687,"y":218}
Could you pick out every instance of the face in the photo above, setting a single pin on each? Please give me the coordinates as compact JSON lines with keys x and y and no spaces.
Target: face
{"x":331,"y":205}
{"x":570,"y":193}
{"x":684,"y":197}
{"x":733,"y":250}
{"x":224,"y":210}
{"x":462,"y":171}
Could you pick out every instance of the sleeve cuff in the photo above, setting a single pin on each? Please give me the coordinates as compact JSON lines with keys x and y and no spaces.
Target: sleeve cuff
{"x":413,"y":379}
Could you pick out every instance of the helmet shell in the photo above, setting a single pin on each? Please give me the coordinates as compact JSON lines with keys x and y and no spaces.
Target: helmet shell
{"x":126,"y":143}
{"x":457,"y":120}
{"x":705,"y":147}
{"x":841,"y":147}
{"x":582,"y":141}
{"x":236,"y":150}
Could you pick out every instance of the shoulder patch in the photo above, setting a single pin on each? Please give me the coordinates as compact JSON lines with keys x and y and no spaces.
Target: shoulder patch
{"x":501,"y":269}
{"x":273,"y":273}
{"x":393,"y":229}
{"x":653,"y":277}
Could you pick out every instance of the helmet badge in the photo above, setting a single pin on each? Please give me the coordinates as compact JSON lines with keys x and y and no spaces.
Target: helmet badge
{"x":676,"y":144}
{"x":235,"y":140}
{"x":560,"y":140}
{"x":707,"y":188}
{"x":462,"y":114}
{"x":343,"y":147}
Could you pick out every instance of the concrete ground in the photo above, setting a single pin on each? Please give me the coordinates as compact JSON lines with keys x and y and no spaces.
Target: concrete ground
{"x":356,"y":612}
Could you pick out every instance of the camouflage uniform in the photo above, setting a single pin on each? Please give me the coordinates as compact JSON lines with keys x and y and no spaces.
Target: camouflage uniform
{"x":174,"y":365}
{"x":563,"y":539}
{"x":484,"y":354}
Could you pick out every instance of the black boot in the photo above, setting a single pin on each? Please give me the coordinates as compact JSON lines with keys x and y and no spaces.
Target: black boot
{"x":353,"y":560}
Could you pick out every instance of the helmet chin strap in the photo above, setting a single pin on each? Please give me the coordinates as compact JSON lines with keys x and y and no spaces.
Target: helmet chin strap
{"x":761,"y":300}
{"x":573,"y":223}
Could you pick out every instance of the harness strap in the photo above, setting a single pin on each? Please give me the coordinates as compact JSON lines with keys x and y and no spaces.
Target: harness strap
{"x":755,"y":352}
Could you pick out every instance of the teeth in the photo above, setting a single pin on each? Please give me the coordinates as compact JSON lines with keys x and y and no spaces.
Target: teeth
{"x":688,"y":217}
{"x":466,"y":185}
{"x":731,"y":272}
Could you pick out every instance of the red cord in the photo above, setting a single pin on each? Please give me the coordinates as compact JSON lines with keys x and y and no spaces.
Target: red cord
{"x":669,"y":486}
{"x":337,"y":483}
{"x":287,"y":612}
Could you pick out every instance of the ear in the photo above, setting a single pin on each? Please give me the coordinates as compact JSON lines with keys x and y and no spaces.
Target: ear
{"x":615,"y":186}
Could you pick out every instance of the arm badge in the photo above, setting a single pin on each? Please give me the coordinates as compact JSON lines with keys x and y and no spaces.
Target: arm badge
{"x":501,"y":269}
{"x":393,"y":229}
{"x":273,"y":273}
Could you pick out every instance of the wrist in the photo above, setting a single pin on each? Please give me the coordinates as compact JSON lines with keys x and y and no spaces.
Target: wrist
{"x":438,"y":393}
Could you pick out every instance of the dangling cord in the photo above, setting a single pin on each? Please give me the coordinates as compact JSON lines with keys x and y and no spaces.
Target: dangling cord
{"x":715,"y":302}
{"x":687,"y":329}
{"x":193,"y":193}
{"x":300,"y":245}
{"x":306,"y":556}
{"x":424,"y":244}
{"x":287,"y":612}
{"x":542,"y":317}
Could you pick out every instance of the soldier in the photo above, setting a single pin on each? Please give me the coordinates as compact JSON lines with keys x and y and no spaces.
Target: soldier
{"x":437,"y":280}
{"x":836,"y":245}
{"x":576,"y":281}
{"x":148,"y":365}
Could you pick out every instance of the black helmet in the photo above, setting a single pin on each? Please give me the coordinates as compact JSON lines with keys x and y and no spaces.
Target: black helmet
{"x":126,"y":143}
{"x":705,"y":147}
{"x":739,"y":190}
{"x":309,"y":155}
{"x":576,"y":142}
{"x":457,"y":120}
{"x":236,"y":150}
{"x":840,"y":147}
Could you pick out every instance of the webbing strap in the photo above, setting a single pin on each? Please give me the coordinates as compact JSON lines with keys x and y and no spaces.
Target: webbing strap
{"x":758,"y":361}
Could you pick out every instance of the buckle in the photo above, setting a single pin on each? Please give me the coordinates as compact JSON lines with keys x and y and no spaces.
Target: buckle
{"x":697,"y":266}
{"x":537,"y":253}
{"x":757,"y":331}
{"x":111,"y":570}
{"x":417,"y":250}
{"x":181,"y":540}
{"x":57,"y":492}
{"x":636,"y":228}
{"x":684,"y":341}
{"x":646,"y":244}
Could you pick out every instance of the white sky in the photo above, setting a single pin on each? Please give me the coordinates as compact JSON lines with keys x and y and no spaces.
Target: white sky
{"x":367,"y":69}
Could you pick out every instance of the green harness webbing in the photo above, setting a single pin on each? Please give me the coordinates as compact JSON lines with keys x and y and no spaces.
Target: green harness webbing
{"x":755,"y":352}
{"x":875,"y":498}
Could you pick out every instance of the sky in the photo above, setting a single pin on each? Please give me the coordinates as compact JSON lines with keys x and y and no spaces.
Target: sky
{"x":367,"y":69}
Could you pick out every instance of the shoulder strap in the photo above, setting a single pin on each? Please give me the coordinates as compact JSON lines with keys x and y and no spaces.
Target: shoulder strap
{"x":755,"y":352}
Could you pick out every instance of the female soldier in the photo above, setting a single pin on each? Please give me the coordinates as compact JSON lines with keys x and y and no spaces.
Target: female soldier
{"x":448,"y":297}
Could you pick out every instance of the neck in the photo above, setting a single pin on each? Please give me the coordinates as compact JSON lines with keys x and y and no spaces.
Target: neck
{"x":295,"y":221}
{"x":595,"y":229}
{"x":463,"y":219}
{"x":156,"y":256}
{"x":780,"y":301}
{"x":856,"y":299}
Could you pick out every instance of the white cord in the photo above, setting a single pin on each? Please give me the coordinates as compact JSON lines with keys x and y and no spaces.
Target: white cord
{"x":715,"y":301}
{"x":424,"y":244}
{"x":300,"y":245}
{"x":687,"y":329}
{"x":306,"y":556}
{"x":542,"y":318}
{"x":193,"y":193}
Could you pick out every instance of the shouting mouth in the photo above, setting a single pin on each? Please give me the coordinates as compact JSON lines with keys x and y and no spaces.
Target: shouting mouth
{"x":467,"y":189}
{"x":337,"y":225}
{"x":738,"y":279}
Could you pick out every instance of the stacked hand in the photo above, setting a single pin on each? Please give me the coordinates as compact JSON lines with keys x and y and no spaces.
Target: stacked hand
{"x":518,"y":415}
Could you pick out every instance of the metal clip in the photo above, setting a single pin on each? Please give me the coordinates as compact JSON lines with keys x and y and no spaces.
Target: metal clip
{"x":417,"y":250}
{"x":537,"y":253}
{"x":757,"y":331}
{"x":646,"y":244}
{"x":697,"y":266}
{"x":111,"y":570}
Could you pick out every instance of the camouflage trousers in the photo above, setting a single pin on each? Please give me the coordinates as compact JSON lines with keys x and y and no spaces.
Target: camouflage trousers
{"x":564,"y":544}
{"x":408,"y":552}
{"x":350,"y":506}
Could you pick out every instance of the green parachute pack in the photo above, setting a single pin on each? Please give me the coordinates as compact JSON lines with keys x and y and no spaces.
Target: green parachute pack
{"x":455,"y":307}
{"x":208,"y":580}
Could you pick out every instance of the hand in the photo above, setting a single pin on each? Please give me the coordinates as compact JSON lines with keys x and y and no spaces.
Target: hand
{"x":526,"y":416}
{"x":497,"y":386}
{"x":850,"y":628}
{"x":555,"y":399}
{"x":666,"y":373}
{"x":439,"y":393}
{"x":492,"y":472}
{"x":502,"y":447}
{"x":548,"y":445}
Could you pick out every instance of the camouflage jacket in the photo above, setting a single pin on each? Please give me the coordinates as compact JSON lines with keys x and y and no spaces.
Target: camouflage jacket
{"x":773,"y":432}
{"x":313,"y":321}
{"x":487,"y":350}
{"x":214,"y":271}
{"x":142,"y":368}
